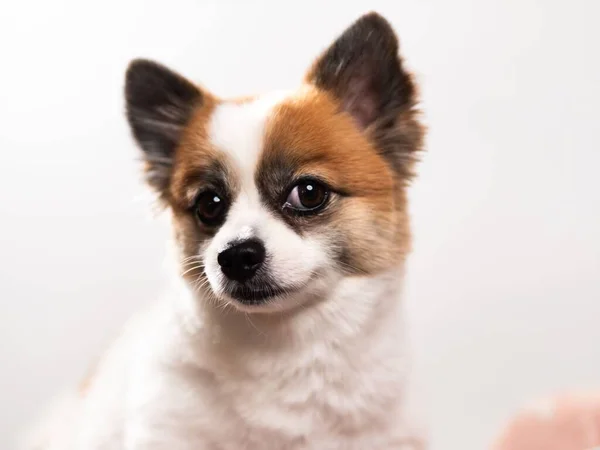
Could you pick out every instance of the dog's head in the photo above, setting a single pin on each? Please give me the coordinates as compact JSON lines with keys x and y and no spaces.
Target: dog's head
{"x":276,"y":198}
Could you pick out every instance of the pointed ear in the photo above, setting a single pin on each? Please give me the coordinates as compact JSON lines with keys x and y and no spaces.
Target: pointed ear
{"x":363,"y":71}
{"x":159,"y":104}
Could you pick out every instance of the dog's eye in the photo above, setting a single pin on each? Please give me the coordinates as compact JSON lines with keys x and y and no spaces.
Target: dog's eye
{"x":211,"y":208}
{"x":307,"y":196}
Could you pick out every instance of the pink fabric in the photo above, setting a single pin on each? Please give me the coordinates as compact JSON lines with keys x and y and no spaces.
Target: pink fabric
{"x":570,"y":422}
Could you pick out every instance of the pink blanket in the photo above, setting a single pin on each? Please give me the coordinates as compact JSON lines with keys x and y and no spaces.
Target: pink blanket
{"x":568,"y":422}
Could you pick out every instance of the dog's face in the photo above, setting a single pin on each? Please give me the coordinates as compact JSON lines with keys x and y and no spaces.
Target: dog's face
{"x":276,"y":198}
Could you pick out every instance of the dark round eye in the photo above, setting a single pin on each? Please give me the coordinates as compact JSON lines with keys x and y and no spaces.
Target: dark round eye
{"x":307,"y":196}
{"x":211,"y":208}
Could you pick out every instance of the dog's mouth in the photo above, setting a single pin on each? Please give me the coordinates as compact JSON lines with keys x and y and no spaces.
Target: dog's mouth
{"x":250,"y":295}
{"x":262,"y":291}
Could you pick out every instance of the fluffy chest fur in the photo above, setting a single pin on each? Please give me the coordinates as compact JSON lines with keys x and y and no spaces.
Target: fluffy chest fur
{"x":277,"y":386}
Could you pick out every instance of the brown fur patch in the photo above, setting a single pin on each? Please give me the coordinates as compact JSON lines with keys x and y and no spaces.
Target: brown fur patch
{"x":194,"y":155}
{"x":196,"y":163}
{"x":308,"y":135}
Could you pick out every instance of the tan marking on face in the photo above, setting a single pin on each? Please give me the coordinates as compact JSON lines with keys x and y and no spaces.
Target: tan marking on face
{"x":194,"y":157}
{"x":308,"y":130}
{"x":309,"y":133}
{"x":194,"y":154}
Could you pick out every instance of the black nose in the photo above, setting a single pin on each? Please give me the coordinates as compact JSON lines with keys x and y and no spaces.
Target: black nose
{"x":241,"y":261}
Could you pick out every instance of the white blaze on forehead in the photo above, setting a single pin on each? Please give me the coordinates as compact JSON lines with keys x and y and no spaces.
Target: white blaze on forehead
{"x":238,"y":130}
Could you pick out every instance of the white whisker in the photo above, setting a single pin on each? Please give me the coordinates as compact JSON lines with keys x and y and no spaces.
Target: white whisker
{"x":192,"y":268}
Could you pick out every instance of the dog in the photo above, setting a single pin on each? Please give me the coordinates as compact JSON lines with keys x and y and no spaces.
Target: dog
{"x":283,"y":327}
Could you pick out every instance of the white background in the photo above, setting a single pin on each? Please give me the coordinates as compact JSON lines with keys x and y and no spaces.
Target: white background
{"x":504,"y":282}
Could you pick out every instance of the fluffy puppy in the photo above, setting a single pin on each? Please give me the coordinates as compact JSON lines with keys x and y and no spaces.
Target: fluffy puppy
{"x":283,"y":327}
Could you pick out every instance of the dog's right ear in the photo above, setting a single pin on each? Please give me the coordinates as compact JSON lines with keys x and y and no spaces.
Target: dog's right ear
{"x":159,"y":103}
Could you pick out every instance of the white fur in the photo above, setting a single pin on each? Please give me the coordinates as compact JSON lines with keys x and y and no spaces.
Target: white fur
{"x":185,"y":376}
{"x":330,"y":373}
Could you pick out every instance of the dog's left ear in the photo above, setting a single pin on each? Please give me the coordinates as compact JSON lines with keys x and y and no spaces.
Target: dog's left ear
{"x":363,"y":71}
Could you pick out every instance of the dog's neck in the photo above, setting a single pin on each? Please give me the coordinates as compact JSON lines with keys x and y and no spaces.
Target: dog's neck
{"x":351,"y":342}
{"x":357,"y":311}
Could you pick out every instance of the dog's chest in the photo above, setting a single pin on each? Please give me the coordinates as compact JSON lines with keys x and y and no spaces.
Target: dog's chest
{"x":314,"y":400}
